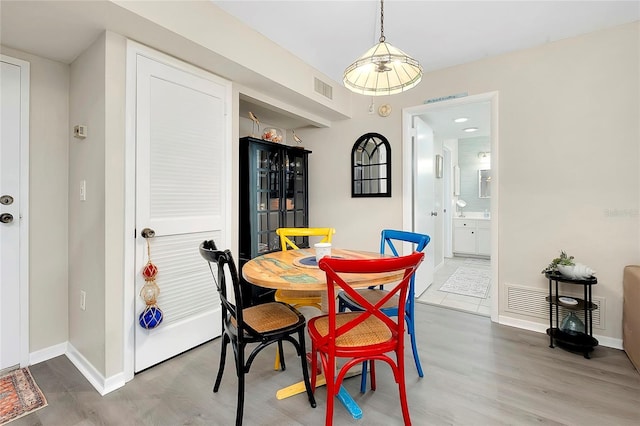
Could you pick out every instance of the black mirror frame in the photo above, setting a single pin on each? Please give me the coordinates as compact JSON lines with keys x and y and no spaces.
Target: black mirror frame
{"x":362,"y":141}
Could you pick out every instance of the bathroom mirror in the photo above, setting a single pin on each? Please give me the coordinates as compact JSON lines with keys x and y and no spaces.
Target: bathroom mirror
{"x":484,"y":183}
{"x":371,"y":166}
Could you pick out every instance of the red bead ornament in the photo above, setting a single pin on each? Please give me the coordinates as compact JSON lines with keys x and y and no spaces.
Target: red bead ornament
{"x":149,"y":271}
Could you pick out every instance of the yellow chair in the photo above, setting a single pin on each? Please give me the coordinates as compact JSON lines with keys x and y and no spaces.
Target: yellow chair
{"x":298,"y":298}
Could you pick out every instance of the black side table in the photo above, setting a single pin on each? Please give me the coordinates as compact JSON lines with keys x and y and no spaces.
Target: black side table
{"x":575,"y":342}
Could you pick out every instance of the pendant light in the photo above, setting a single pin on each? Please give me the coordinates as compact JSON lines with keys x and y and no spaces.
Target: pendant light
{"x":383,"y":69}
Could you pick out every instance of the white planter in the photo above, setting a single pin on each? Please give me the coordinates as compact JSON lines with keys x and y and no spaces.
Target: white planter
{"x":576,"y":272}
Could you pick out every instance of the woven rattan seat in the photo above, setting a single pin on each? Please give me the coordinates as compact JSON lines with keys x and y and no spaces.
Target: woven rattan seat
{"x":371,"y":331}
{"x":374,"y":295}
{"x":268,"y":317}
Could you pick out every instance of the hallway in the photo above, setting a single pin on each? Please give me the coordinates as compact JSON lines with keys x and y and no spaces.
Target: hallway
{"x":477,"y":305}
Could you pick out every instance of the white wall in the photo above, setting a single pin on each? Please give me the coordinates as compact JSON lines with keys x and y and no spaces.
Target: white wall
{"x":96,"y":234}
{"x":48,"y":177}
{"x":87,"y":218}
{"x":568,"y":148}
{"x":114,"y":157}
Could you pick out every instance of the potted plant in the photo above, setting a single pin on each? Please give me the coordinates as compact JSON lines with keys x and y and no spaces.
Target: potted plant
{"x":566,"y":266}
{"x":563,"y":260}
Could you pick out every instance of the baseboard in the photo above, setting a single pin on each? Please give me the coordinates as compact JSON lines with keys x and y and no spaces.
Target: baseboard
{"x":98,"y":381}
{"x":47,"y":353}
{"x":606,"y":341}
{"x":609,"y":342}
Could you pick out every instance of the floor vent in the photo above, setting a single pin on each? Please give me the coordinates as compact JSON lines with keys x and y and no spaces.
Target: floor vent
{"x":531,"y":302}
{"x":322,"y":88}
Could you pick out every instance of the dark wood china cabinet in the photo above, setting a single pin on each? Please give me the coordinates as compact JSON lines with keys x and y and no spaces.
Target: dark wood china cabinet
{"x":273,"y":186}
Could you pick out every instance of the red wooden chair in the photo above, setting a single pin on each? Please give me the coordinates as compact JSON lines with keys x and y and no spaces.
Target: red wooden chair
{"x":363,"y":335}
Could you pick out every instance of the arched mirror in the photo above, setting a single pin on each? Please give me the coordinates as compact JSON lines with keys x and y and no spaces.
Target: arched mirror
{"x":371,"y":166}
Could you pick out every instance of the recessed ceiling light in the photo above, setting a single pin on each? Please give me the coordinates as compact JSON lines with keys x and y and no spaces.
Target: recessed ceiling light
{"x":470,"y":129}
{"x":460,"y":120}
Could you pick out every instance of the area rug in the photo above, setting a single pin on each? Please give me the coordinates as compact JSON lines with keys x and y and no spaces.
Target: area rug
{"x":19,"y":395}
{"x":467,"y":281}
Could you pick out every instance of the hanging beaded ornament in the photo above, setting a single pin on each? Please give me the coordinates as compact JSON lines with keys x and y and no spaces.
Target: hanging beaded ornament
{"x":151,"y":317}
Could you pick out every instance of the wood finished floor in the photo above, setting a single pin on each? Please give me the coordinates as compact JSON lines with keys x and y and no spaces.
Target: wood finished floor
{"x":476,"y":373}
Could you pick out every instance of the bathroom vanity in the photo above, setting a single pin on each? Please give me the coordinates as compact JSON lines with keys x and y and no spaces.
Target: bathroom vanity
{"x":472,"y":235}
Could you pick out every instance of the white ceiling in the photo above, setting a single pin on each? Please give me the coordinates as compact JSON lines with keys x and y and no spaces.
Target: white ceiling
{"x":331,"y":34}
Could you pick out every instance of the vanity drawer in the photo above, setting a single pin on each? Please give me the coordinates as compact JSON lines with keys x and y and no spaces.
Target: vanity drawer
{"x":484,"y":224}
{"x":459,"y":223}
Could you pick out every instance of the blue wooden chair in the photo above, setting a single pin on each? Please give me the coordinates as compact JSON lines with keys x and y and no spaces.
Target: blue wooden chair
{"x":389,"y":239}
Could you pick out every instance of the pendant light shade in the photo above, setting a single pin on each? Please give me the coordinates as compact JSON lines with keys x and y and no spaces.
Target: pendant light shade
{"x":383,"y":69}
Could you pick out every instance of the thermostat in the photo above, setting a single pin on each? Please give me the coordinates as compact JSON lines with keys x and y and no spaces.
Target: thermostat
{"x":80,"y":131}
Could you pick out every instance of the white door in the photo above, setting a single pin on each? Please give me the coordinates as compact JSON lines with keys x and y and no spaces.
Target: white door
{"x":182,"y":179}
{"x":14,"y":107}
{"x":424,"y":199}
{"x":447,"y":214}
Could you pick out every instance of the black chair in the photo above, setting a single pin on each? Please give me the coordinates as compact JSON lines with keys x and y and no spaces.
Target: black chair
{"x":263,"y":324}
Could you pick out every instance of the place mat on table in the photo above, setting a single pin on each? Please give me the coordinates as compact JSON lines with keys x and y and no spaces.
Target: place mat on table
{"x":309,"y":261}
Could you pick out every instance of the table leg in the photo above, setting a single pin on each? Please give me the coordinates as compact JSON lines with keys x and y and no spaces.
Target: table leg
{"x":352,"y":407}
{"x":343,"y":396}
{"x":297,"y":388}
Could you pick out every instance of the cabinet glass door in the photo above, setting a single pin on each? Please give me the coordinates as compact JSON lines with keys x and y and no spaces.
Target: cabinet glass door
{"x":269,"y":197}
{"x":295,"y":193}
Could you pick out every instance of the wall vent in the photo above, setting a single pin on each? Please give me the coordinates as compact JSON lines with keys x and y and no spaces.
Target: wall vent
{"x":322,"y":88}
{"x":531,"y":302}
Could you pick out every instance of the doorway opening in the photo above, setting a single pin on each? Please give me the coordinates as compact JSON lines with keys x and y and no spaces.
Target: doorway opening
{"x":468,"y":250}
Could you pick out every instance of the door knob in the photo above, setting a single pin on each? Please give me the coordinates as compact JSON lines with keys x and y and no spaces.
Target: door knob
{"x":6,"y":200}
{"x":6,"y":218}
{"x":148,"y":233}
{"x":434,"y":213}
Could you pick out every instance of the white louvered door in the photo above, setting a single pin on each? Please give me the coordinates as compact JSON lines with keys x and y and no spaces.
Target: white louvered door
{"x":182,"y":179}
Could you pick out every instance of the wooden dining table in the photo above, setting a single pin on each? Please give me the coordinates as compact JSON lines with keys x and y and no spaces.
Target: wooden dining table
{"x":298,"y":270}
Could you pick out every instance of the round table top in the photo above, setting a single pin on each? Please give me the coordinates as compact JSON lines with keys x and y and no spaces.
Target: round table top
{"x":283,"y":270}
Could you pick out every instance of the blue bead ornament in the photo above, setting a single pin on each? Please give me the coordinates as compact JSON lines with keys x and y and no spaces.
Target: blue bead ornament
{"x":150,"y":318}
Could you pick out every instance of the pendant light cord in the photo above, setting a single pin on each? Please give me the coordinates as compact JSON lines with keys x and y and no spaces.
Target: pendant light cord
{"x":382,"y":38}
